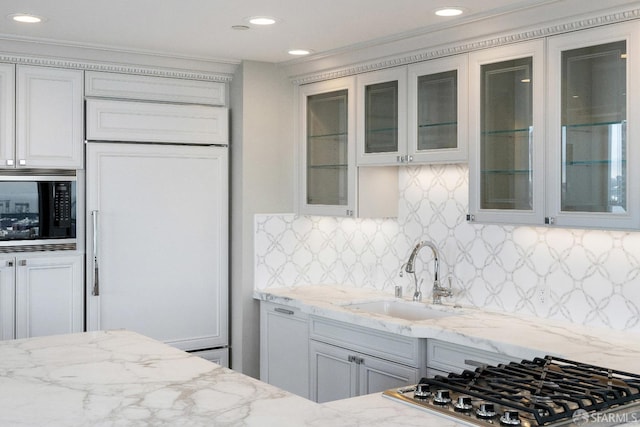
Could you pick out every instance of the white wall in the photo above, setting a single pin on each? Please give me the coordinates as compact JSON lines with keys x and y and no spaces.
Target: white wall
{"x":261,"y":182}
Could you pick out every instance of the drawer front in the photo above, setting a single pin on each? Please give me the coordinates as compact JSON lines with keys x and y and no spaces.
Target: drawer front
{"x":447,"y":357}
{"x":396,"y":348}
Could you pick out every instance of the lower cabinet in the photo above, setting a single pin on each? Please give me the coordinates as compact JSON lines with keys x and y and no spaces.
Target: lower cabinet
{"x":340,"y":373}
{"x":347,"y":360}
{"x":284,"y":348}
{"x":40,"y":295}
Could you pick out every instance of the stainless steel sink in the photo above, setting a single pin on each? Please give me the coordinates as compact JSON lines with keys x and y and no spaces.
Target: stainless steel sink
{"x":402,"y":309}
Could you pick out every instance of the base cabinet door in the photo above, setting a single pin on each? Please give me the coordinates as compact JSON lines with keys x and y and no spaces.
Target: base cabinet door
{"x":334,"y":372}
{"x":377,"y":375}
{"x":49,"y":296}
{"x":284,"y":348}
{"x":340,"y":373}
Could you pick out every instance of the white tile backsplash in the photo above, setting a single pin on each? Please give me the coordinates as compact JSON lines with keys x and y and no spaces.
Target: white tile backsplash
{"x":590,"y":277}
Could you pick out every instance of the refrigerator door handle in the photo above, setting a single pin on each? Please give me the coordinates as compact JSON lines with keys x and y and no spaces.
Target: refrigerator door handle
{"x":96,"y":269}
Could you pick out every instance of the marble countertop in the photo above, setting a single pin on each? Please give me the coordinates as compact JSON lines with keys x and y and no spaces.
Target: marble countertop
{"x":517,"y":336}
{"x":120,"y":378}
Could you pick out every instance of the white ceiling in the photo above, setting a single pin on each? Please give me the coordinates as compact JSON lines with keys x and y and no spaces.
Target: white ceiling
{"x":202,"y":28}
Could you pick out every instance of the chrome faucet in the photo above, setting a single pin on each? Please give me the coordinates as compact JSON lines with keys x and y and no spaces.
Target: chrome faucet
{"x":409,"y":267}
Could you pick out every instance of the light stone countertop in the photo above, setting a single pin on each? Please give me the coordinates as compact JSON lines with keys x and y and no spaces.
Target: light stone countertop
{"x":517,"y":336}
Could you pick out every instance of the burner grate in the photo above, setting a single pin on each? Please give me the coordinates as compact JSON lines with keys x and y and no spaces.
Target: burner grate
{"x":549,"y":389}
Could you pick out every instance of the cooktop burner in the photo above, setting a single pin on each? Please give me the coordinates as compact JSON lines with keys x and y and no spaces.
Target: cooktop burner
{"x":547,"y":391}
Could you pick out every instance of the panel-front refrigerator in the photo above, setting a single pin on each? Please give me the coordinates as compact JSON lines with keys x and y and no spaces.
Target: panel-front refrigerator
{"x":157,"y":242}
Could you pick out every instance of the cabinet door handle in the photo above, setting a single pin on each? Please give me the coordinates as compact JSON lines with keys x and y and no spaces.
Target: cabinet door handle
{"x":9,"y":162}
{"x":22,"y":162}
{"x":22,"y":262}
{"x":10,"y":263}
{"x":96,"y":269}
{"x":284,"y":311}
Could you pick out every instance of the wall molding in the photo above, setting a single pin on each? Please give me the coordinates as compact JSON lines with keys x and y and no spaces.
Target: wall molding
{"x":484,"y":43}
{"x":115,"y":68}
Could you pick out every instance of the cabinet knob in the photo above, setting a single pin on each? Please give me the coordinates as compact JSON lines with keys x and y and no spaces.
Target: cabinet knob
{"x":349,"y":212}
{"x":22,"y":262}
{"x":10,"y":263}
{"x":549,"y":220}
{"x":22,"y":162}
{"x":9,"y":162}
{"x":471,"y":218}
{"x":409,"y":159}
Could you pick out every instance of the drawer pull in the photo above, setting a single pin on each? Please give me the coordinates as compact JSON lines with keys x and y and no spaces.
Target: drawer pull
{"x":475,"y":363}
{"x":284,"y":311}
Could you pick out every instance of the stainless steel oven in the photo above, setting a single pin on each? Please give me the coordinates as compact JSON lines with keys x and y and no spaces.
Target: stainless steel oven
{"x":38,"y":211}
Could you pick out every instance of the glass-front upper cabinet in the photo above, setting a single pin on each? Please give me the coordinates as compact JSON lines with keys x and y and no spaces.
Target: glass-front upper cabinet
{"x":506,"y":134}
{"x":438,"y":110}
{"x":328,"y":151}
{"x":382,"y":117}
{"x":593,"y":152}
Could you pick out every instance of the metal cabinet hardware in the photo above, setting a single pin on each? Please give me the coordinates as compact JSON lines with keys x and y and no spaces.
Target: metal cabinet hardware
{"x":549,"y":220}
{"x":9,"y":162}
{"x":22,"y":262}
{"x":284,"y":311}
{"x":10,"y":263}
{"x":96,"y":270}
{"x":355,"y":359}
{"x":471,"y":218}
{"x":22,"y":162}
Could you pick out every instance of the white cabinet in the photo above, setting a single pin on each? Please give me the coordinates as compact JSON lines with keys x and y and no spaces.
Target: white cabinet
{"x":284,"y":348}
{"x":330,"y":183}
{"x":415,"y":114}
{"x":340,"y":373}
{"x":438,"y":110}
{"x":506,"y":125}
{"x":382,"y":117}
{"x":348,"y":360}
{"x":444,"y":358}
{"x":7,"y":113}
{"x":49,"y":119}
{"x":592,"y":135}
{"x":131,"y":121}
{"x":41,"y":295}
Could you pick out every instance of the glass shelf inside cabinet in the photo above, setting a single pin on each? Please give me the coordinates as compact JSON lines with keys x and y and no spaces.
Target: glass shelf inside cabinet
{"x":438,"y":111}
{"x":381,"y":117}
{"x":506,"y":135}
{"x":327,"y":148}
{"x":594,"y":141}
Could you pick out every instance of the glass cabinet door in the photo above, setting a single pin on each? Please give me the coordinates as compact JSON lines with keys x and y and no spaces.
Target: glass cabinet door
{"x":327,"y":155}
{"x":506,"y":128}
{"x":438,"y":102}
{"x":506,"y":164}
{"x":591,"y":160}
{"x":328,"y":152}
{"x":593,"y":138}
{"x":382,"y":115}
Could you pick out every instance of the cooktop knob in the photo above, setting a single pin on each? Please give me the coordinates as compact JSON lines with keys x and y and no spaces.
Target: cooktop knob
{"x":463,"y":404}
{"x":510,"y":418}
{"x":442,"y":397}
{"x":486,"y":410}
{"x":422,"y":391}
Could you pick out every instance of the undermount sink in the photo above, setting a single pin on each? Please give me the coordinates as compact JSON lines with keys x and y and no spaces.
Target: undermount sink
{"x":401,"y":309}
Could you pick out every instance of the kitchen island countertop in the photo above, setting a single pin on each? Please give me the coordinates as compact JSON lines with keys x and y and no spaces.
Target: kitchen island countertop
{"x":121,"y":378}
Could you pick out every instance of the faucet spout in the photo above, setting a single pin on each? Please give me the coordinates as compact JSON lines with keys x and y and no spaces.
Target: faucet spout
{"x":410,"y":267}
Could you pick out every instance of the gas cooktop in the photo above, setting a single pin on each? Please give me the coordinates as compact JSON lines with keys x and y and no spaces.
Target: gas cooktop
{"x":547,"y":391}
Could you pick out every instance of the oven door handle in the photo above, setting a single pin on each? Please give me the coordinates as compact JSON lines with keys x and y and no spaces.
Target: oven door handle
{"x":96,"y":269}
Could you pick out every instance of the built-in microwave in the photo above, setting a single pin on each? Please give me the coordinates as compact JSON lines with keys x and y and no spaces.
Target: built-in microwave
{"x":37,"y":209}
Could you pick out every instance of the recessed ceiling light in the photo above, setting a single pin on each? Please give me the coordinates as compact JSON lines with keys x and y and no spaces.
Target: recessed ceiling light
{"x":262,"y":20}
{"x":449,"y":11}
{"x":26,"y":18}
{"x":299,"y":52}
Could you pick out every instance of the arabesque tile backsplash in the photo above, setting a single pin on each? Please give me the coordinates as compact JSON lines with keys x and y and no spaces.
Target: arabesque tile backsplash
{"x":590,"y":277}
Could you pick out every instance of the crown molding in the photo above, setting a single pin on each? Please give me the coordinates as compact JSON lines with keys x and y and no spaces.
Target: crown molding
{"x":454,"y":49}
{"x":115,"y":68}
